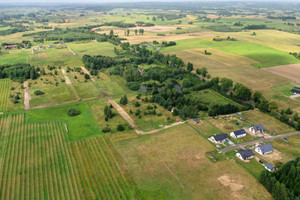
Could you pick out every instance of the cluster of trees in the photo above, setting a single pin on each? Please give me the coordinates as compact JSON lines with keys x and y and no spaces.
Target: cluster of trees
{"x":19,"y":72}
{"x":72,"y":34}
{"x":222,"y":39}
{"x":251,"y":27}
{"x":94,"y":63}
{"x":73,"y":112}
{"x":167,"y":44}
{"x":124,"y":100}
{"x":136,"y":31}
{"x":20,"y":45}
{"x":283,"y":184}
{"x":13,"y":30}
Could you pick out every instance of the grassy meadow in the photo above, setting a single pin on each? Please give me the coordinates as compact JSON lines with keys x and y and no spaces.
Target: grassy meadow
{"x":4,"y":93}
{"x":93,"y":48}
{"x":173,"y":165}
{"x":79,"y":127}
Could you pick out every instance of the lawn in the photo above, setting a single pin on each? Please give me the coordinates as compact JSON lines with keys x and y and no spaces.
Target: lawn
{"x":114,"y":85}
{"x":209,"y":96}
{"x":271,"y":124}
{"x":291,"y":148}
{"x":266,"y":56}
{"x":80,"y":127}
{"x":14,"y":56}
{"x":283,"y":89}
{"x":173,"y":165}
{"x":93,"y":48}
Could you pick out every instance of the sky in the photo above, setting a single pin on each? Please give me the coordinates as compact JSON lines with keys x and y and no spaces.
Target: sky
{"x":110,"y":1}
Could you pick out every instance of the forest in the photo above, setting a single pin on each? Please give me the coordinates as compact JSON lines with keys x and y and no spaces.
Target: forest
{"x":19,"y":72}
{"x":283,"y":184}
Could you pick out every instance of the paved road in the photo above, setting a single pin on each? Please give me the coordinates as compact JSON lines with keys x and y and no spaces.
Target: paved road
{"x":258,"y":141}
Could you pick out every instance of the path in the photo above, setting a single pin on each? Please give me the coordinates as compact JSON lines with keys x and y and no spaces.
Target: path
{"x":259,"y":141}
{"x":27,"y":96}
{"x":294,"y":96}
{"x":69,"y":83}
{"x":123,"y":113}
{"x":70,"y":50}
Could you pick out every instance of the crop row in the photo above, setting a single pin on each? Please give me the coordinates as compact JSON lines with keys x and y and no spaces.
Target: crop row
{"x":36,"y":162}
{"x":4,"y":93}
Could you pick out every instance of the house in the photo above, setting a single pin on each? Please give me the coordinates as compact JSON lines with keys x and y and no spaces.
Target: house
{"x":196,"y":120}
{"x":238,"y":134}
{"x":50,"y":46}
{"x":245,"y":154}
{"x":219,"y":139}
{"x":11,"y":46}
{"x":41,"y":47}
{"x":258,"y":128}
{"x":264,"y":149}
{"x":270,"y":167}
{"x":59,"y":45}
{"x":295,"y":91}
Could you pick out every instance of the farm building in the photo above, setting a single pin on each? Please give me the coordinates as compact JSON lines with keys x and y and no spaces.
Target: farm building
{"x":258,"y":128}
{"x":50,"y":46}
{"x":264,"y":149}
{"x":196,"y":120}
{"x":11,"y":46}
{"x":295,"y":91}
{"x":41,"y":47}
{"x":238,"y":134}
{"x":270,"y":167}
{"x":219,"y":139}
{"x":245,"y":154}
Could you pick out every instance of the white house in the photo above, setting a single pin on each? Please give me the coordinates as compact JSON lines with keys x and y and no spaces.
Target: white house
{"x":219,"y":139}
{"x":258,"y":128}
{"x":264,"y":149}
{"x":245,"y":154}
{"x":238,"y":134}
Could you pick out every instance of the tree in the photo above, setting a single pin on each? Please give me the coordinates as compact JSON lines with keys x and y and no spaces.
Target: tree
{"x":111,"y":32}
{"x":128,"y":32}
{"x":284,"y":118}
{"x":136,"y":104}
{"x":141,"y":31}
{"x":72,"y":112}
{"x":153,"y":18}
{"x":108,"y":112}
{"x":120,"y":127}
{"x":190,"y":67}
{"x":242,"y":92}
{"x":86,"y":76}
{"x":135,"y":31}
{"x":226,"y":84}
{"x":124,"y":100}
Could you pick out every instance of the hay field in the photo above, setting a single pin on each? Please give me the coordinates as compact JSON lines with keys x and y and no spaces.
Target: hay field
{"x":291,"y":71}
{"x":173,"y":165}
{"x":235,"y":67}
{"x":265,"y":56}
{"x":93,"y":48}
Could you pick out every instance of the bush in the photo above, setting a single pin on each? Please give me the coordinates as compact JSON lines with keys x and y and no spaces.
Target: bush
{"x":120,"y":127}
{"x":72,"y":112}
{"x":39,"y":92}
{"x":106,"y":130}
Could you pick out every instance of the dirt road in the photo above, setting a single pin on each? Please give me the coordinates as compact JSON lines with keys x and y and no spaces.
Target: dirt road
{"x":259,"y":141}
{"x":70,"y":50}
{"x":123,"y":113}
{"x":69,"y":83}
{"x":27,"y":96}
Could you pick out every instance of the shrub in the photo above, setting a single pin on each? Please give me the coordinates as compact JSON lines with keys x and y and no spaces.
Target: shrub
{"x":39,"y":92}
{"x":72,"y":112}
{"x":120,"y":127}
{"x":106,"y":130}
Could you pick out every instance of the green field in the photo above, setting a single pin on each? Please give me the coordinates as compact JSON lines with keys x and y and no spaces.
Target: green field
{"x":93,"y":48}
{"x":283,"y":89}
{"x":266,"y":56}
{"x":10,"y":57}
{"x":4,"y":93}
{"x":210,"y":96}
{"x":38,"y":163}
{"x":80,"y":127}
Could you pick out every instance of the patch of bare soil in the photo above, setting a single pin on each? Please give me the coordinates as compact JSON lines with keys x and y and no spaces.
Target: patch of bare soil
{"x":27,"y":96}
{"x":156,"y":29}
{"x":227,"y":182}
{"x":274,"y":157}
{"x":290,"y":71}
